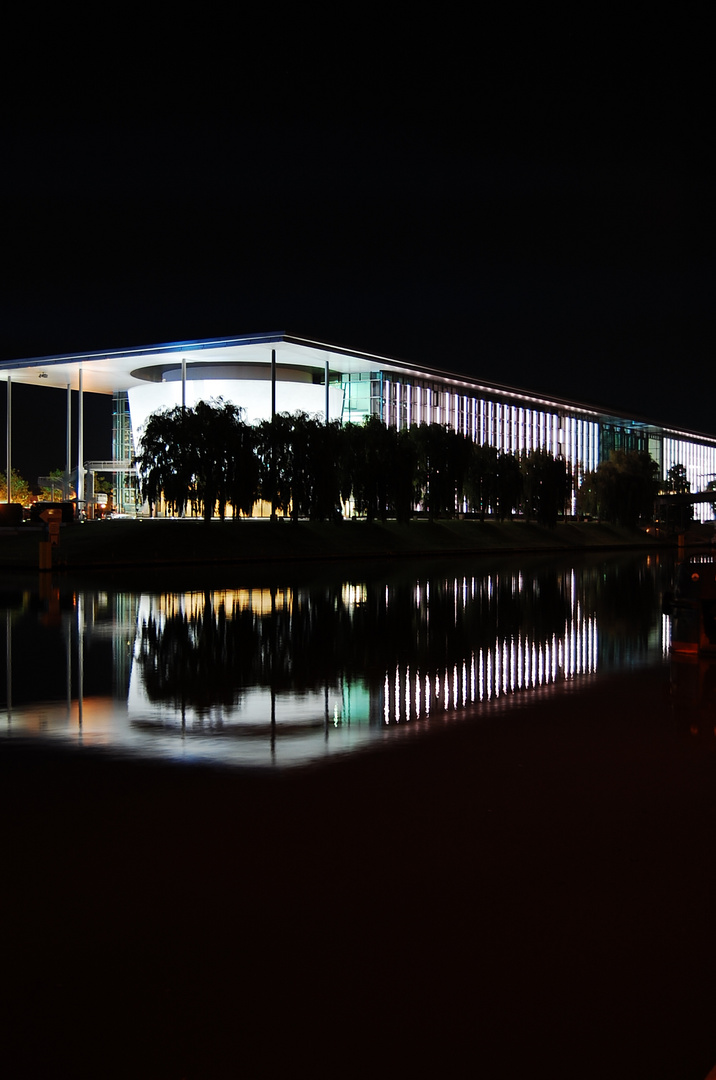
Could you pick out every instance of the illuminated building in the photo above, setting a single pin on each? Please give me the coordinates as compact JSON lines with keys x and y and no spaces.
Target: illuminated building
{"x":263,"y":373}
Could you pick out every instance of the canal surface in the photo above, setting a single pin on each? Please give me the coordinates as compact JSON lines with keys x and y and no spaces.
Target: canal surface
{"x":279,"y":673}
{"x":422,"y":819}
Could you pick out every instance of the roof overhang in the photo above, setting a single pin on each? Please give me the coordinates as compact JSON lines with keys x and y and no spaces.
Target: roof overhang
{"x":122,"y":369}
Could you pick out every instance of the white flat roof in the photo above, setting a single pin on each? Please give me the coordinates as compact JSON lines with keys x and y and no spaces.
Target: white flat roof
{"x":104,"y":372}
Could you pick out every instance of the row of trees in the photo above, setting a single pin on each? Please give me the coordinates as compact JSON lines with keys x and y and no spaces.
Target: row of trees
{"x":208,"y":458}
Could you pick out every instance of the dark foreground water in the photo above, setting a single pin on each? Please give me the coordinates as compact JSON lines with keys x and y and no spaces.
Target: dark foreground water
{"x":513,"y":875}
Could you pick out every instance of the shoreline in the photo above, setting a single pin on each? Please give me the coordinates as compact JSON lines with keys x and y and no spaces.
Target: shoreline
{"x":143,"y":543}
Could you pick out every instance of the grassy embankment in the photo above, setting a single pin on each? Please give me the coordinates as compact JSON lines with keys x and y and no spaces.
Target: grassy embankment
{"x":174,"y":543}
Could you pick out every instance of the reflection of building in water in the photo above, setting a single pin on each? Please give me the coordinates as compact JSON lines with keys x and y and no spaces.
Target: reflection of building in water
{"x":519,"y":660}
{"x":309,"y":671}
{"x":75,"y":645}
{"x":107,"y":623}
{"x":192,"y":605}
{"x":509,"y":666}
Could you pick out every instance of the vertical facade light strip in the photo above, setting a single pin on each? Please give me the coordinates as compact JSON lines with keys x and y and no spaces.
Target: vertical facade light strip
{"x":183,"y":384}
{"x":68,"y":446}
{"x":327,"y":373}
{"x":80,"y":447}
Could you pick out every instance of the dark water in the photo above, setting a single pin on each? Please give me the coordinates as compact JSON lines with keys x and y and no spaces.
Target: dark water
{"x":287,"y":672}
{"x":529,"y":892}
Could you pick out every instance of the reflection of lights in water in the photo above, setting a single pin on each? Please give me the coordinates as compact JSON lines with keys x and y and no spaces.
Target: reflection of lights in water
{"x":505,"y":665}
{"x":517,"y":663}
{"x":194,"y":605}
{"x":354,"y":596}
{"x":512,"y":664}
{"x":665,"y":635}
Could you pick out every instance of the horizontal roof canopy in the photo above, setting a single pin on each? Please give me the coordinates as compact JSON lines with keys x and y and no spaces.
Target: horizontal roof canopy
{"x":107,"y":371}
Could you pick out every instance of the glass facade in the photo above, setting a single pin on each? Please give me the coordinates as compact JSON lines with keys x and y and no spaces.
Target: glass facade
{"x":514,"y":423}
{"x":126,"y":499}
{"x":699,"y":460}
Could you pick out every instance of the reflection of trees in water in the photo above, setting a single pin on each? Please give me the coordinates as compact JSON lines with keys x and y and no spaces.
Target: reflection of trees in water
{"x":199,"y":658}
{"x":316,"y":636}
{"x":207,"y":656}
{"x":623,"y":595}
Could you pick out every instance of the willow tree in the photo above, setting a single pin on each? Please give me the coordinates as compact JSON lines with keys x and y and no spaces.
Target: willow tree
{"x":442,"y":468}
{"x":481,"y":482}
{"x":545,"y":486}
{"x":163,"y":460}
{"x":201,"y":456}
{"x":300,"y":470}
{"x":368,"y":453}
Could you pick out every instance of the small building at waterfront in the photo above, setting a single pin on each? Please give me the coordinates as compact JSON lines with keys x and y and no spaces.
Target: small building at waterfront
{"x":279,"y":372}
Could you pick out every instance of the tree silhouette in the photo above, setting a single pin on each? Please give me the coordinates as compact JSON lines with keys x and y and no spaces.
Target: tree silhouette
{"x":201,"y":455}
{"x":369,"y":451}
{"x":163,"y":460}
{"x":545,"y":485}
{"x":626,"y":485}
{"x":481,"y":480}
{"x":442,"y":468}
{"x":508,"y":485}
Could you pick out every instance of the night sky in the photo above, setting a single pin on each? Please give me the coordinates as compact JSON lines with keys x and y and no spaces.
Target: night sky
{"x":535,"y":212}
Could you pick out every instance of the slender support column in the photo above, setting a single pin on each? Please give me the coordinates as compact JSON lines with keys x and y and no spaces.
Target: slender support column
{"x":80,"y":447}
{"x":273,"y":435}
{"x":326,"y":391}
{"x":9,"y":435}
{"x":183,"y":384}
{"x":68,"y":455}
